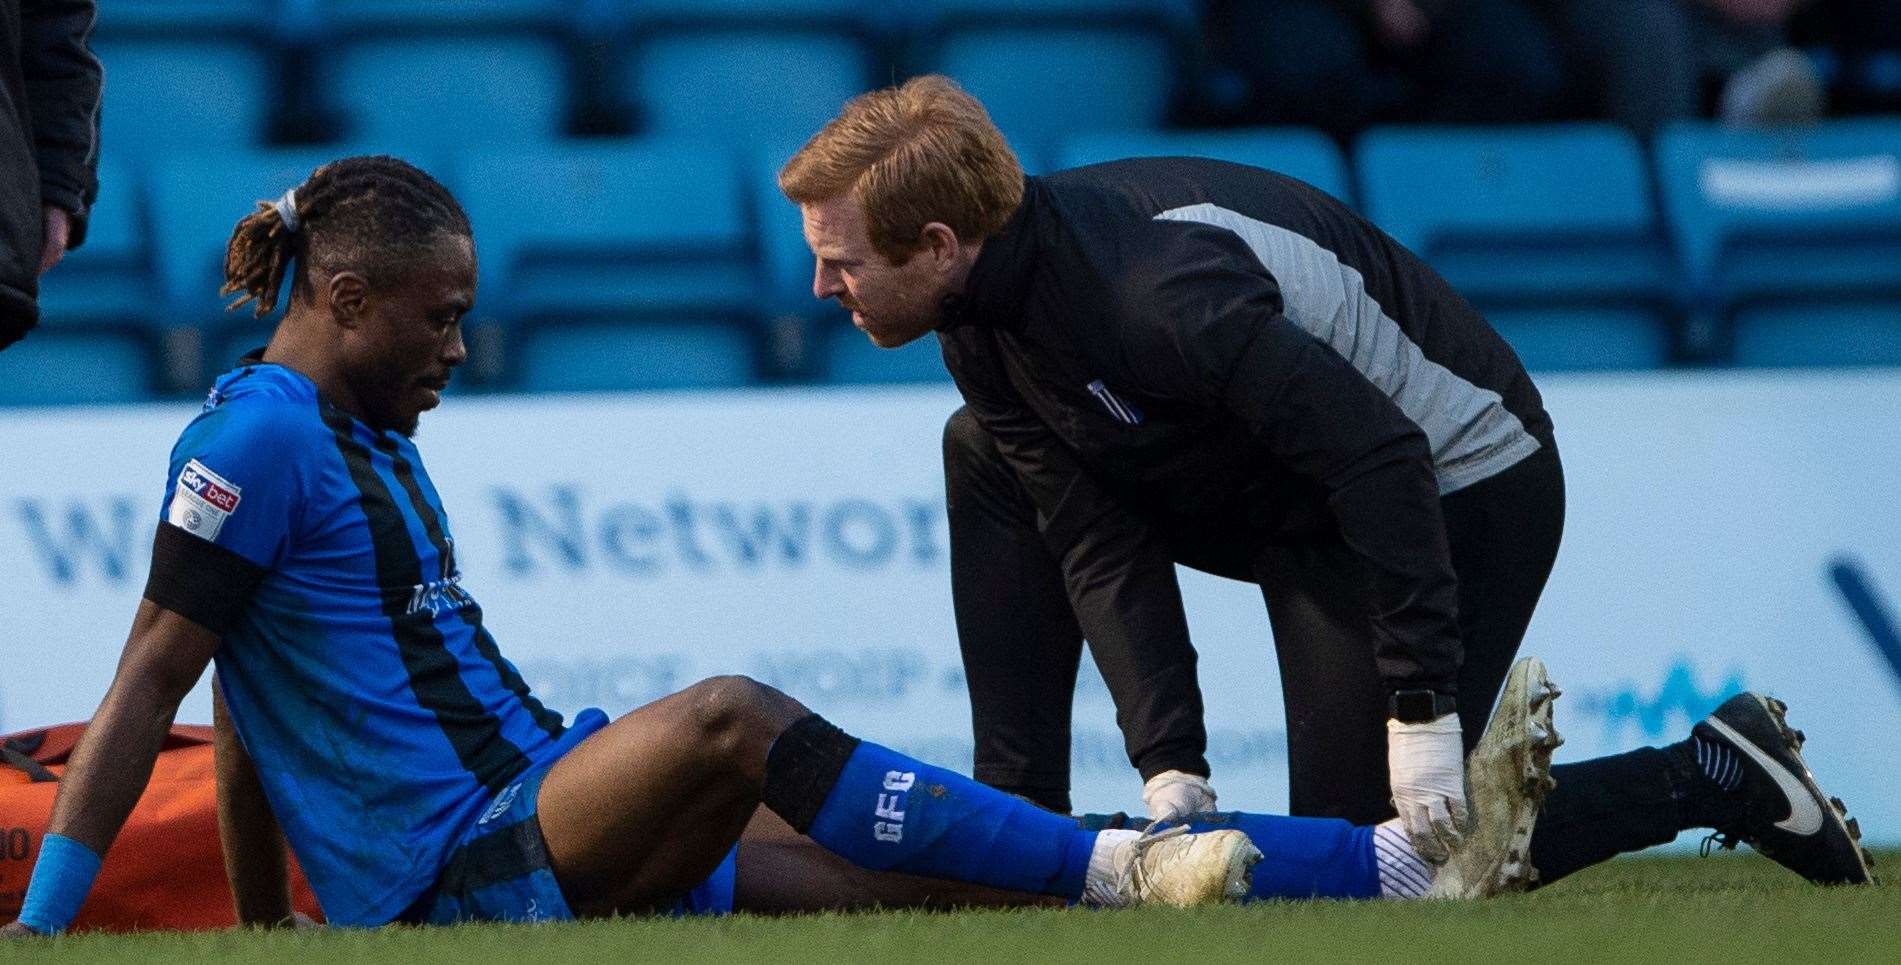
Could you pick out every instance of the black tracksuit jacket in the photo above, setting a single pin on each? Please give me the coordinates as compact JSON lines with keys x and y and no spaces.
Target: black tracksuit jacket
{"x":1187,"y":343}
{"x":49,"y":140}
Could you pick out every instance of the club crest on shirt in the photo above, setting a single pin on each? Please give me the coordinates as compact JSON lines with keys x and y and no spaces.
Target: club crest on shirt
{"x":202,"y":501}
{"x":1118,"y":407}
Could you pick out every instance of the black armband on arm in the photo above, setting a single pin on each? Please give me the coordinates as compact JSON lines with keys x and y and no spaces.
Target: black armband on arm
{"x":200,"y":580}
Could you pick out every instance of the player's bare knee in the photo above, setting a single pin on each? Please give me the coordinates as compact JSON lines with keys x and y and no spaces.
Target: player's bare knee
{"x":733,"y":715}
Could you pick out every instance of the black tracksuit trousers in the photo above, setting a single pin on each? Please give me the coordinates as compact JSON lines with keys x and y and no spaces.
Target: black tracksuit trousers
{"x":1021,"y":647}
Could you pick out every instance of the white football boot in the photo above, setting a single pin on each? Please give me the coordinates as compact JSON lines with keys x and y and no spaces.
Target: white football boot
{"x":1180,"y":869}
{"x":1506,"y":779}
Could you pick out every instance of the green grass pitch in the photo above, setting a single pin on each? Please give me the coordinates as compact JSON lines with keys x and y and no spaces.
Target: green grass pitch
{"x":1675,"y":909}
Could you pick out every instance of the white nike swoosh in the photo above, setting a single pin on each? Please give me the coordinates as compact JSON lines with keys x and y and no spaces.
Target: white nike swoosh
{"x":1805,"y":816}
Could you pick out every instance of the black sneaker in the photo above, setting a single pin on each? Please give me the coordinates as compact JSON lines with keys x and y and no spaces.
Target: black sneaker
{"x":1783,"y":813}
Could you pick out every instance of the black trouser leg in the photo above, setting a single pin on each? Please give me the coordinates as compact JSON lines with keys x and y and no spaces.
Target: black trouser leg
{"x":1601,"y":807}
{"x":1503,"y":548}
{"x":1503,"y":536}
{"x":1335,"y":702}
{"x":1604,"y":807}
{"x":1021,"y":645}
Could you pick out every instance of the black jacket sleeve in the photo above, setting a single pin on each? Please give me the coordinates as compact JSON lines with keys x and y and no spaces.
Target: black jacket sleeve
{"x":63,"y":82}
{"x":1120,"y":577}
{"x":1216,"y":312}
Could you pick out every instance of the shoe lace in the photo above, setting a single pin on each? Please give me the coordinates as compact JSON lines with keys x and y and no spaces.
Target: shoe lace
{"x":1727,"y":840}
{"x":1132,"y":878}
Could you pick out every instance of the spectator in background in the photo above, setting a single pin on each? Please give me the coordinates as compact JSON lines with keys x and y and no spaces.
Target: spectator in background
{"x":1863,"y":38}
{"x":1649,"y":61}
{"x":1341,"y":64}
{"x":49,"y":146}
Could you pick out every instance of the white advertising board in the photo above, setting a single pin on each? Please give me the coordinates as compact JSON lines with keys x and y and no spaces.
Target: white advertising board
{"x":1722,"y":530}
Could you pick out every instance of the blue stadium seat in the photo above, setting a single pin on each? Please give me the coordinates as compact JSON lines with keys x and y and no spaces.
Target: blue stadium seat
{"x":53,"y":366}
{"x":644,"y":226}
{"x":641,"y":355}
{"x":107,"y":281}
{"x":652,"y":234}
{"x":854,"y":17}
{"x":751,"y":11}
{"x":746,"y":84}
{"x":786,"y":262}
{"x":1044,"y":83}
{"x":1052,"y":68}
{"x":377,"y":14}
{"x":748,"y":71}
{"x":850,"y":358}
{"x":196,"y":200}
{"x":97,"y":340}
{"x":1548,"y":221}
{"x":1296,"y":152}
{"x":1178,"y":14}
{"x":240,"y":335}
{"x":1775,"y":227}
{"x":1518,"y":209}
{"x":433,"y":91}
{"x":182,"y":16}
{"x":185,"y":92}
{"x":1584,"y":337}
{"x":1836,"y":333}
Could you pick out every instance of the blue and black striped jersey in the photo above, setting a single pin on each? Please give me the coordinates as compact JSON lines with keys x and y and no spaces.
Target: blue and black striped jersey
{"x":378,"y":711}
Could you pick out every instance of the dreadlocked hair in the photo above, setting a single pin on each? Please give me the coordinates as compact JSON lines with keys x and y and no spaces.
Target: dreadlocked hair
{"x":366,"y":214}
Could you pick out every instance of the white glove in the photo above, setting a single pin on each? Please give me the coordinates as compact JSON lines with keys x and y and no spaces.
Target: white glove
{"x":1172,"y":794}
{"x":1426,"y":764}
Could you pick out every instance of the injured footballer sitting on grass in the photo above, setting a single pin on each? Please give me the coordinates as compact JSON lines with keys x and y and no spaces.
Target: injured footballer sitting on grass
{"x":373,"y":722}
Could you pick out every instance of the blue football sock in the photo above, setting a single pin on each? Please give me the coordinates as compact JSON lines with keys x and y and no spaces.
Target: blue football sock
{"x":889,"y":812}
{"x":1302,"y":857}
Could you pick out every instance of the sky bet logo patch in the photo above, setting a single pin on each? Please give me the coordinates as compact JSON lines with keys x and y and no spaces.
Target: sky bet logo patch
{"x":202,"y":501}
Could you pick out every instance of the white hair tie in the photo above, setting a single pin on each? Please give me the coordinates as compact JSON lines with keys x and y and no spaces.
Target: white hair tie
{"x":287,"y":211}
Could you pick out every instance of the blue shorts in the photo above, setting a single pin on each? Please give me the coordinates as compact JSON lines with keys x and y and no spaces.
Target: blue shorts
{"x":499,"y":870}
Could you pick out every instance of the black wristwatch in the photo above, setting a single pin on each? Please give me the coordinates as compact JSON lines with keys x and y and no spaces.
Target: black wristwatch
{"x":1420,"y":706}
